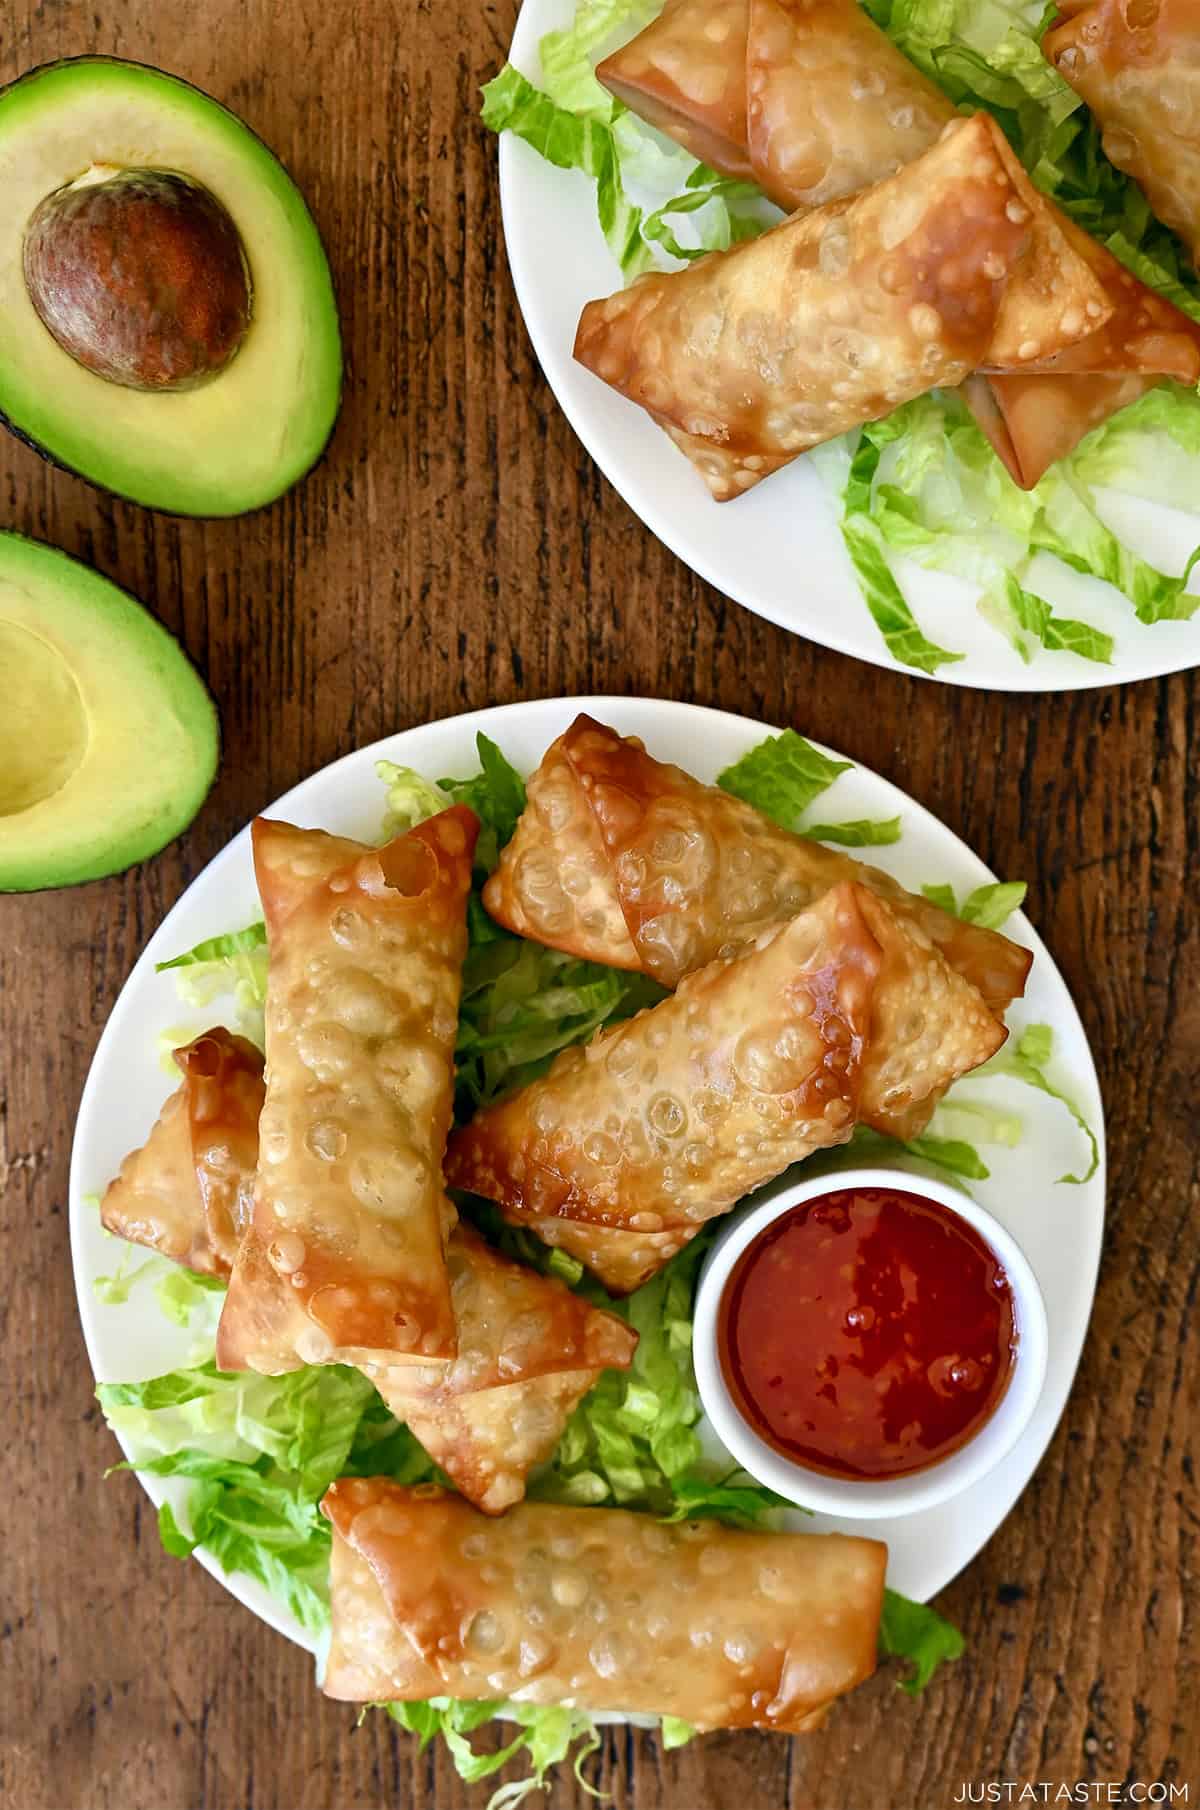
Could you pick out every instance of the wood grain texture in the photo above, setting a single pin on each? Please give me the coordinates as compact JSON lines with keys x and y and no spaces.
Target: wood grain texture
{"x":457,"y":548}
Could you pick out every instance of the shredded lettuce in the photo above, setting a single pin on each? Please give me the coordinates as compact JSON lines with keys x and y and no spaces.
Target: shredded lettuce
{"x":915,"y":1632}
{"x":989,"y":906}
{"x":234,"y":964}
{"x":548,"y":1734}
{"x":1025,"y":1059}
{"x":860,"y":832}
{"x":784,"y":774}
{"x":943,"y":498}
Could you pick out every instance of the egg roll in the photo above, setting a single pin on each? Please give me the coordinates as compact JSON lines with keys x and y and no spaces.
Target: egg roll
{"x":623,"y":859}
{"x":807,"y":98}
{"x":596,"y":1609}
{"x":1136,"y":63}
{"x":345,"y":1254}
{"x":829,"y":106}
{"x":187,"y":1192}
{"x":528,"y":1352}
{"x":528,"y":1348}
{"x":839,"y":1017}
{"x":750,"y":356}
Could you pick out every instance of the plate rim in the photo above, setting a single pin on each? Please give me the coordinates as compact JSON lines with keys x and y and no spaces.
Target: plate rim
{"x":241,"y":1588}
{"x":555,"y":362}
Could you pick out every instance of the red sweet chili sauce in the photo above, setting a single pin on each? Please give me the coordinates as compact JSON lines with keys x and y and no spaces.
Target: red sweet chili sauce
{"x":868,"y":1333}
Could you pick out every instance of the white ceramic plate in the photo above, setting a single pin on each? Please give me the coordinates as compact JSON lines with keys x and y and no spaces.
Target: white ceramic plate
{"x":778,"y":550}
{"x":1058,"y":1226}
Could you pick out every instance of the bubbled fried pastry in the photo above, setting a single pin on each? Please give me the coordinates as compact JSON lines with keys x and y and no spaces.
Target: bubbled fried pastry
{"x":721,"y":1628}
{"x":345,"y":1256}
{"x":528,"y":1348}
{"x":691,"y":871}
{"x":685,"y":74}
{"x":829,"y":106}
{"x":187,"y":1192}
{"x":833,"y":318}
{"x":1137,"y":66}
{"x":528,"y":1351}
{"x":667,"y":1119}
{"x":838,"y":1017}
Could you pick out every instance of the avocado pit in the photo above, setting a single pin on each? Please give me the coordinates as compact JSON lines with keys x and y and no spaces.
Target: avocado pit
{"x":140,"y":276}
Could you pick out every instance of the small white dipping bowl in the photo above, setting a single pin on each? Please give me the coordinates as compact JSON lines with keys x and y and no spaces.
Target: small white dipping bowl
{"x":869,"y":1498}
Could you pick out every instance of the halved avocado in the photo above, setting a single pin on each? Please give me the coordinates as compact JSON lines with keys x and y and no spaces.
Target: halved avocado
{"x":233,"y":437}
{"x":108,"y":737}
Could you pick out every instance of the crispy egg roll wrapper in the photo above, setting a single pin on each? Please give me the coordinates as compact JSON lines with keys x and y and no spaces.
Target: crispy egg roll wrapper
{"x":750,"y":356}
{"x":624,"y":859}
{"x":595,"y":1608}
{"x":686,"y":74}
{"x":1136,"y":63}
{"x":839,"y":1017}
{"x":345,"y":1256}
{"x":833,"y":106}
{"x":528,"y":1348}
{"x":187,"y":1193}
{"x":528,"y":1352}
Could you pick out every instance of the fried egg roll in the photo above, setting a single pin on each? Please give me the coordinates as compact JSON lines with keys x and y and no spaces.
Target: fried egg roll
{"x":528,"y":1352}
{"x":528,"y":1349}
{"x":829,"y":106}
{"x":187,"y":1192}
{"x":595,"y":1608}
{"x":750,"y":356}
{"x":1136,"y":63}
{"x":840,"y":1016}
{"x":345,"y":1255}
{"x":623,"y":859}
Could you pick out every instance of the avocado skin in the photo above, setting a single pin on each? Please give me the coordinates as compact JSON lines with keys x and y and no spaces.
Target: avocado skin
{"x":153,"y":818}
{"x":55,"y":459}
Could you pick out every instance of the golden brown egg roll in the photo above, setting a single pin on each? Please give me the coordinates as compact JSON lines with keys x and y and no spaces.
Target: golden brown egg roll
{"x":345,"y":1256}
{"x":841,"y":1016}
{"x":187,"y":1192}
{"x":1137,"y":65}
{"x":686,"y":74}
{"x":595,"y":1608}
{"x":528,"y":1352}
{"x":808,"y":98}
{"x":833,"y":107}
{"x":528,"y":1349}
{"x":623,"y":859}
{"x":750,"y":356}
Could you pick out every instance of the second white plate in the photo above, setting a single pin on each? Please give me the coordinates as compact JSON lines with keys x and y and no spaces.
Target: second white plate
{"x":778,"y":549}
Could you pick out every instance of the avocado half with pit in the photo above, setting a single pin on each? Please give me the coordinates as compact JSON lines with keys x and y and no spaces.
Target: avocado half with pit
{"x":108,"y":737}
{"x":168,"y":327}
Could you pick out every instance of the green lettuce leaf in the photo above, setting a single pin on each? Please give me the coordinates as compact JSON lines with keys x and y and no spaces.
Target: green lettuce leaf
{"x":915,"y":1632}
{"x":781,"y":776}
{"x":496,"y":795}
{"x":1025,"y":1059}
{"x":861,"y":832}
{"x":989,"y":906}
{"x":573,"y":142}
{"x":234,"y":964}
{"x":410,"y":798}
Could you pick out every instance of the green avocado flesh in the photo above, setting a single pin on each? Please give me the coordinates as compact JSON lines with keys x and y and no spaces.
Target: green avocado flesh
{"x":243,"y":436}
{"x":108,"y":738}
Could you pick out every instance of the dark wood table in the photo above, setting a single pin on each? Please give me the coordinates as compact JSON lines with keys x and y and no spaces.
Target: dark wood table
{"x":457,"y":548}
